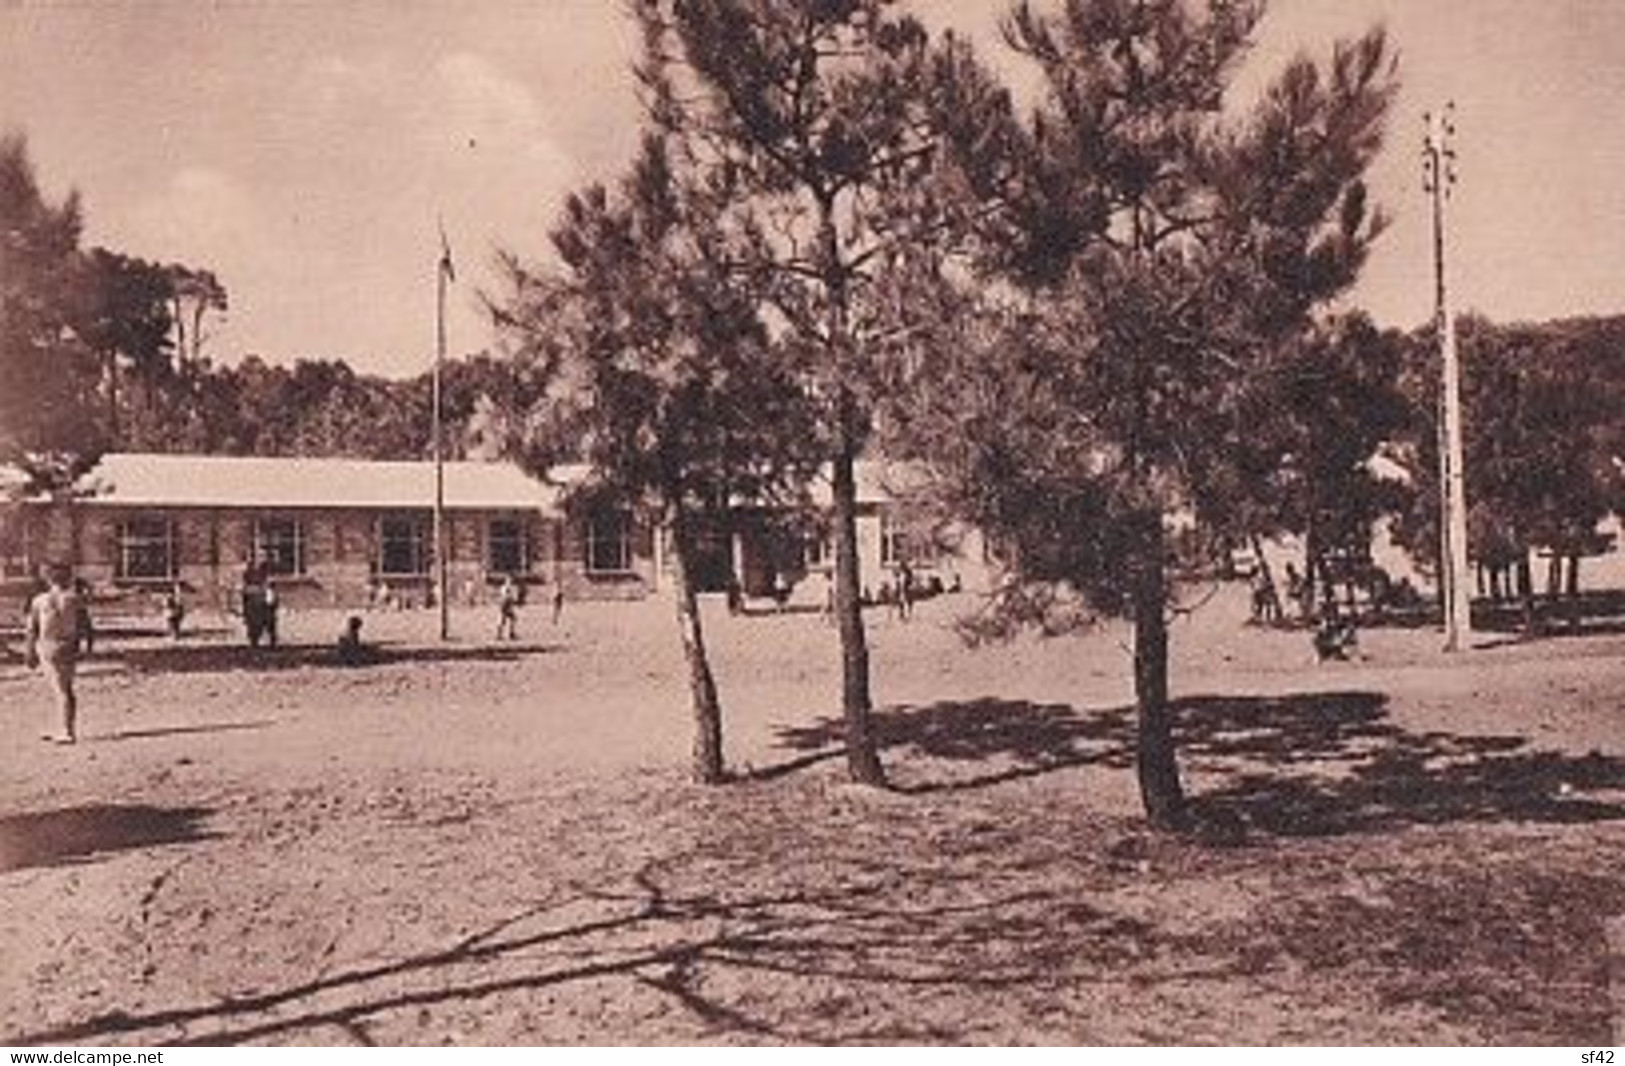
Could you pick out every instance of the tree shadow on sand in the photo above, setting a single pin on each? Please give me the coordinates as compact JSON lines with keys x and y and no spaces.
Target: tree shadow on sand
{"x":1306,"y":764}
{"x":861,"y":958}
{"x":1002,"y":740}
{"x":814,"y":946}
{"x":676,"y":940}
{"x":155,"y":732}
{"x":220,"y":658}
{"x":74,"y":834}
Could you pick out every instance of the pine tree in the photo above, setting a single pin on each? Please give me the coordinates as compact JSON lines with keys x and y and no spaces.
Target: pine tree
{"x":48,"y":422}
{"x":663,"y":379}
{"x":825,"y":130}
{"x":1158,"y":256}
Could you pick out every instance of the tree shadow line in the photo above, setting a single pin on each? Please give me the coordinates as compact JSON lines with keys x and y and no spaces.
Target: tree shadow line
{"x":851,"y":937}
{"x":186,"y":658}
{"x":155,"y":732}
{"x":75,"y":834}
{"x":785,"y":963}
{"x":1304,"y":764}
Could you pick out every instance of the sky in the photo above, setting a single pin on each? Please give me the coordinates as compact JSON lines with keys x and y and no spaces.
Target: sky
{"x":305,"y":150}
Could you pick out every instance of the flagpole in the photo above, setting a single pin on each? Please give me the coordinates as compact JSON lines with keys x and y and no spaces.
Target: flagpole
{"x":441,"y":271}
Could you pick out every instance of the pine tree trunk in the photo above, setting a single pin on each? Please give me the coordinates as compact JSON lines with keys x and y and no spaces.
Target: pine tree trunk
{"x":112,"y":399}
{"x":1526,"y":593}
{"x":1571,"y":593}
{"x":862,"y":757}
{"x":1311,"y":571}
{"x":702,"y":686}
{"x":1155,"y":761}
{"x":1257,"y":544}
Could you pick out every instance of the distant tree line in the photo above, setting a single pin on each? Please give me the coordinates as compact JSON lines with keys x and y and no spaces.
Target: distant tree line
{"x":1544,"y":413}
{"x":102,"y":351}
{"x":323,"y":407}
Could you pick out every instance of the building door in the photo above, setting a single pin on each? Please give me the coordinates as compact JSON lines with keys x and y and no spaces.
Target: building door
{"x":712,"y":565}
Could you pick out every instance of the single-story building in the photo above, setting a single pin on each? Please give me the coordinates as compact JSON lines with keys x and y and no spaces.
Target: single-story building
{"x":892,"y":534}
{"x":329,"y":532}
{"x":345,"y":532}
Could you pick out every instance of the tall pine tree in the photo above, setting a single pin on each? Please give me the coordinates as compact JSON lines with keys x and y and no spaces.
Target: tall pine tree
{"x":826,"y":127}
{"x":1158,"y":254}
{"x":662,"y":378}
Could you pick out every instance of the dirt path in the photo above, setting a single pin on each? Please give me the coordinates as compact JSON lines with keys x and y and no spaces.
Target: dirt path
{"x":494,"y":844}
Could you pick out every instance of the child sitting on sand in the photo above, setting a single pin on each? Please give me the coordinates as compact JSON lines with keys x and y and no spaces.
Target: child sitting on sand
{"x":350,"y":649}
{"x":1335,"y":637}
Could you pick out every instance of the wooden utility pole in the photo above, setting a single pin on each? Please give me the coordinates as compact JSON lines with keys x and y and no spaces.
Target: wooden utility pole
{"x":1455,"y":588}
{"x":443,"y":274}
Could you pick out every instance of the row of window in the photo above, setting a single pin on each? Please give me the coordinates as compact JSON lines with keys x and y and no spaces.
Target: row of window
{"x":898,"y":544}
{"x":148,"y":547}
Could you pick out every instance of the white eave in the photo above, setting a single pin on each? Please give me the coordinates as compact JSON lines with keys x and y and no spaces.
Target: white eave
{"x":257,"y":482}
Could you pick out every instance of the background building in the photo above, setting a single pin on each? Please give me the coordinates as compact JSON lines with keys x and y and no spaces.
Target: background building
{"x":345,"y":532}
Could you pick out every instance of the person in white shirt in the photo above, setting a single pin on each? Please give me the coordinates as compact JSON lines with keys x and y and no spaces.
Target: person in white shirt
{"x":508,"y":610}
{"x":58,"y":630}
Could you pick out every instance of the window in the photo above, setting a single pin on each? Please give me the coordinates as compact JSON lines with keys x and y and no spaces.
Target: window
{"x":146,"y":550}
{"x":893,"y":540}
{"x":507,"y":550}
{"x":609,"y":542}
{"x":279,"y":545}
{"x":924,"y":549}
{"x":15,"y":557}
{"x":14,"y":563}
{"x":900,"y":545}
{"x":402,"y":547}
{"x":817,"y":553}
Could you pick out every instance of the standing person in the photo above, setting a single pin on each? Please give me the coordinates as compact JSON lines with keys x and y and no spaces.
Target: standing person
{"x":558,"y":603}
{"x":1294,"y":587}
{"x":1266,"y":602}
{"x":58,"y":630}
{"x":255,"y":585}
{"x":905,"y":591}
{"x":1306,"y":591}
{"x":508,"y":610}
{"x":271,"y":604}
{"x":174,"y":612}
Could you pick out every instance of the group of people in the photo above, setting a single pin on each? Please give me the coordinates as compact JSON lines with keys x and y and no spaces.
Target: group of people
{"x":58,"y":631}
{"x":898,"y":595}
{"x":1335,"y":635}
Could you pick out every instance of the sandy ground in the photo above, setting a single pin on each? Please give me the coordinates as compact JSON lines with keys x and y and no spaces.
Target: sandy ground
{"x":496,"y":843}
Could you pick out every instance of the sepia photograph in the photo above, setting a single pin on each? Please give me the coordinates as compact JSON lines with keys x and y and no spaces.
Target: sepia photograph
{"x":811,"y":523}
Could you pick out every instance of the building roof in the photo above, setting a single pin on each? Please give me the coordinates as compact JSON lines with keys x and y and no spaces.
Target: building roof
{"x":151,"y":480}
{"x":146,"y":479}
{"x":877,"y":481}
